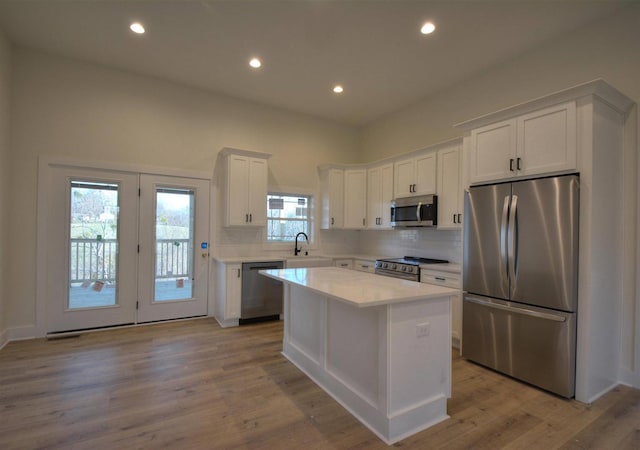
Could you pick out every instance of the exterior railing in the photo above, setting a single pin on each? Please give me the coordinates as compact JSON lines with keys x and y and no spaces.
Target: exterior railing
{"x":95,"y":259}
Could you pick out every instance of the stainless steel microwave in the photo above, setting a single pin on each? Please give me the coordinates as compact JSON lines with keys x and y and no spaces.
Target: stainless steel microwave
{"x":419,"y":211}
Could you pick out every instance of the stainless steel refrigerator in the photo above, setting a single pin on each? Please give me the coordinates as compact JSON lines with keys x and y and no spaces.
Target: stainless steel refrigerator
{"x":521,"y":280}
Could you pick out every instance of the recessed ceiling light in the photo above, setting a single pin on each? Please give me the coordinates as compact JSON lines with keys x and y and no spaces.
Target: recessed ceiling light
{"x":338,"y":89}
{"x":255,"y":63}
{"x":428,"y":28}
{"x":136,"y":27}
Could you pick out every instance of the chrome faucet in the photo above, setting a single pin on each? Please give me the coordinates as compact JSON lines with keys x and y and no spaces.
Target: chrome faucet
{"x":297,"y":250}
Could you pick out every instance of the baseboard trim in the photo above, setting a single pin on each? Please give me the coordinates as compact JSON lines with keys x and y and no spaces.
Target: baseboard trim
{"x":629,"y":378}
{"x":4,"y":339}
{"x":21,"y":333}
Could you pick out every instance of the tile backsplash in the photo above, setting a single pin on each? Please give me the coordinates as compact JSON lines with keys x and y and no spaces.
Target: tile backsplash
{"x":424,"y":242}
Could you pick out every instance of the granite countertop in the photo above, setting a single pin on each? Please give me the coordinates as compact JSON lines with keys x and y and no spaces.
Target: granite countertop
{"x":360,"y":289}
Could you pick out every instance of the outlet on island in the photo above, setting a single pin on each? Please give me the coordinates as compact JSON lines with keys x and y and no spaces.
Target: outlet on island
{"x":423,"y":329}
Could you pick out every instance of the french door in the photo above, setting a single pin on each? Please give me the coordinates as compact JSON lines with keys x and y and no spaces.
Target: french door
{"x":124,"y":248}
{"x":174,"y":229}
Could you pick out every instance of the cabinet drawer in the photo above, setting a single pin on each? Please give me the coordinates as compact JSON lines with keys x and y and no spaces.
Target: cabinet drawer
{"x":344,"y":263}
{"x":448,"y":279}
{"x":364,"y":266}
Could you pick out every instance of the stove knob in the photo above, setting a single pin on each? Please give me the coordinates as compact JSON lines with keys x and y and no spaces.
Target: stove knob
{"x":385,"y":265}
{"x":410,"y":269}
{"x":404,"y":268}
{"x":393,"y":266}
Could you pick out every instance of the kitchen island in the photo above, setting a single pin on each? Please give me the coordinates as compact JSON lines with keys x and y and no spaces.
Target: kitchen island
{"x":380,"y":346}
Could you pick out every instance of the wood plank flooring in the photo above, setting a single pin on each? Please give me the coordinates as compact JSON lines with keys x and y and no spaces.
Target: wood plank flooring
{"x":193,"y":385}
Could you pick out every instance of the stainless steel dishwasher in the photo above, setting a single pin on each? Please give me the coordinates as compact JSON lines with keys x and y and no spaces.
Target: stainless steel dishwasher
{"x":261,"y":296}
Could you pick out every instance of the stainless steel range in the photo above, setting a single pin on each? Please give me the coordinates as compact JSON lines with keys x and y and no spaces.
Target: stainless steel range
{"x":407,"y":268}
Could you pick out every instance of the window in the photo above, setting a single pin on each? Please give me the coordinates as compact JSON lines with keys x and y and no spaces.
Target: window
{"x":287,"y":215}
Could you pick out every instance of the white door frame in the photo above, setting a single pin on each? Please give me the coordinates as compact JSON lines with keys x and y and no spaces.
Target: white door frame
{"x":45,"y":163}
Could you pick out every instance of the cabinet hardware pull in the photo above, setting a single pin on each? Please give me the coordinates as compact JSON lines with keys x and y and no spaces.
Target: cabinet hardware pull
{"x":454,"y":218}
{"x":238,"y":273}
{"x":250,"y":217}
{"x":246,"y":218}
{"x":519,"y":160}
{"x":332,"y":221}
{"x":362,"y":222}
{"x":511,"y":164}
{"x":459,"y":218}
{"x":440,"y":279}
{"x":364,"y":267}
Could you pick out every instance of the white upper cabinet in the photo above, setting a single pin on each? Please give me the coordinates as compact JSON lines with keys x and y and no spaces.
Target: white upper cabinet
{"x":415,"y":175}
{"x":379,"y":196}
{"x":332,"y":198}
{"x":355,"y":198}
{"x":450,"y":204}
{"x":245,"y":188}
{"x":539,"y":142}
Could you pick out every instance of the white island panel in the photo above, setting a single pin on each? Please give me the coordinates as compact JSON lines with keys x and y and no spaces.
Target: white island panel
{"x":389,"y":364}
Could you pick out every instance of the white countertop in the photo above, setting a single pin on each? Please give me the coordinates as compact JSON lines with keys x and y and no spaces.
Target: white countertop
{"x":359,"y":289}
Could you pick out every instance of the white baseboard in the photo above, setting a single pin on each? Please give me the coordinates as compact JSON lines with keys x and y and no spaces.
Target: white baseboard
{"x":228,"y":323}
{"x":4,"y":338}
{"x":629,"y":378}
{"x":22,"y":333}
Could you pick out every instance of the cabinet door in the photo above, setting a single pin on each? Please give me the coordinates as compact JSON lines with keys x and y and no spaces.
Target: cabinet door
{"x":257,"y":192}
{"x":237,"y":190}
{"x":374,"y":197}
{"x":386,"y":195}
{"x":425,"y":174}
{"x":403,"y":177}
{"x":449,"y":188}
{"x":493,"y":152}
{"x":547,"y":140}
{"x":336,"y":198}
{"x":379,"y":196}
{"x":233,"y":291}
{"x":355,"y":198}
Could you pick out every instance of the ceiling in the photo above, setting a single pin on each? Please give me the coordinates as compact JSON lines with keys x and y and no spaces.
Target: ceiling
{"x":371,"y":47}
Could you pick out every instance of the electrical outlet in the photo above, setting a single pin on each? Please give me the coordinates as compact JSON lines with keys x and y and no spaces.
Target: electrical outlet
{"x":423,"y":329}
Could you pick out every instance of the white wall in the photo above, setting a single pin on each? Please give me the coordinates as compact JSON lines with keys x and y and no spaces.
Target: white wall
{"x":5,"y":184}
{"x":608,"y":49}
{"x":87,"y":112}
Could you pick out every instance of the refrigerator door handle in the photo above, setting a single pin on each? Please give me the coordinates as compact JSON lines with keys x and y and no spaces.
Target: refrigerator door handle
{"x":512,"y":244}
{"x":522,"y":311}
{"x":504,"y":259}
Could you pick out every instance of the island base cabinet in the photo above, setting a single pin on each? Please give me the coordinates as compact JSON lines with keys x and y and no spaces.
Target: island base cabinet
{"x":388,"y":365}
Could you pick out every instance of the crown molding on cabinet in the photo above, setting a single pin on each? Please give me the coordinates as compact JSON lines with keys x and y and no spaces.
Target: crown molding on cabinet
{"x":598,"y":87}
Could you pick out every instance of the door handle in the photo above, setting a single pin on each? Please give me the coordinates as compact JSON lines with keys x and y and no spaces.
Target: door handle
{"x":459,"y":218}
{"x":519,"y":160}
{"x":504,"y":261}
{"x":522,"y":311}
{"x":513,"y":240}
{"x":511,"y":164}
{"x":454,"y":219}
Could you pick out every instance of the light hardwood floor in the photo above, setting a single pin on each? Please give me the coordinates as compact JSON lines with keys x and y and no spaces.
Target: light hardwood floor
{"x":193,"y":385}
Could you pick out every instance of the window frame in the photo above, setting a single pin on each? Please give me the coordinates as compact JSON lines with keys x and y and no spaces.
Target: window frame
{"x":293,"y":192}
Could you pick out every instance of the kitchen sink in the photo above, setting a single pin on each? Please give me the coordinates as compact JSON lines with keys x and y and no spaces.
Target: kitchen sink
{"x":308,"y":261}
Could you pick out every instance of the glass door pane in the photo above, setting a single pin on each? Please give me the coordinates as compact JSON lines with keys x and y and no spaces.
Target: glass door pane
{"x":93,"y":245}
{"x":174,"y":218}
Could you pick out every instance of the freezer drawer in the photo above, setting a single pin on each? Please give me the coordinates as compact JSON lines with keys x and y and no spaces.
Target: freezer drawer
{"x":532,"y":344}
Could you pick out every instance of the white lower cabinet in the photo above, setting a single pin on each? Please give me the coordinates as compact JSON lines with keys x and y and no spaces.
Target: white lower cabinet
{"x":228,"y":293}
{"x":364,"y":265}
{"x":452,"y":280}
